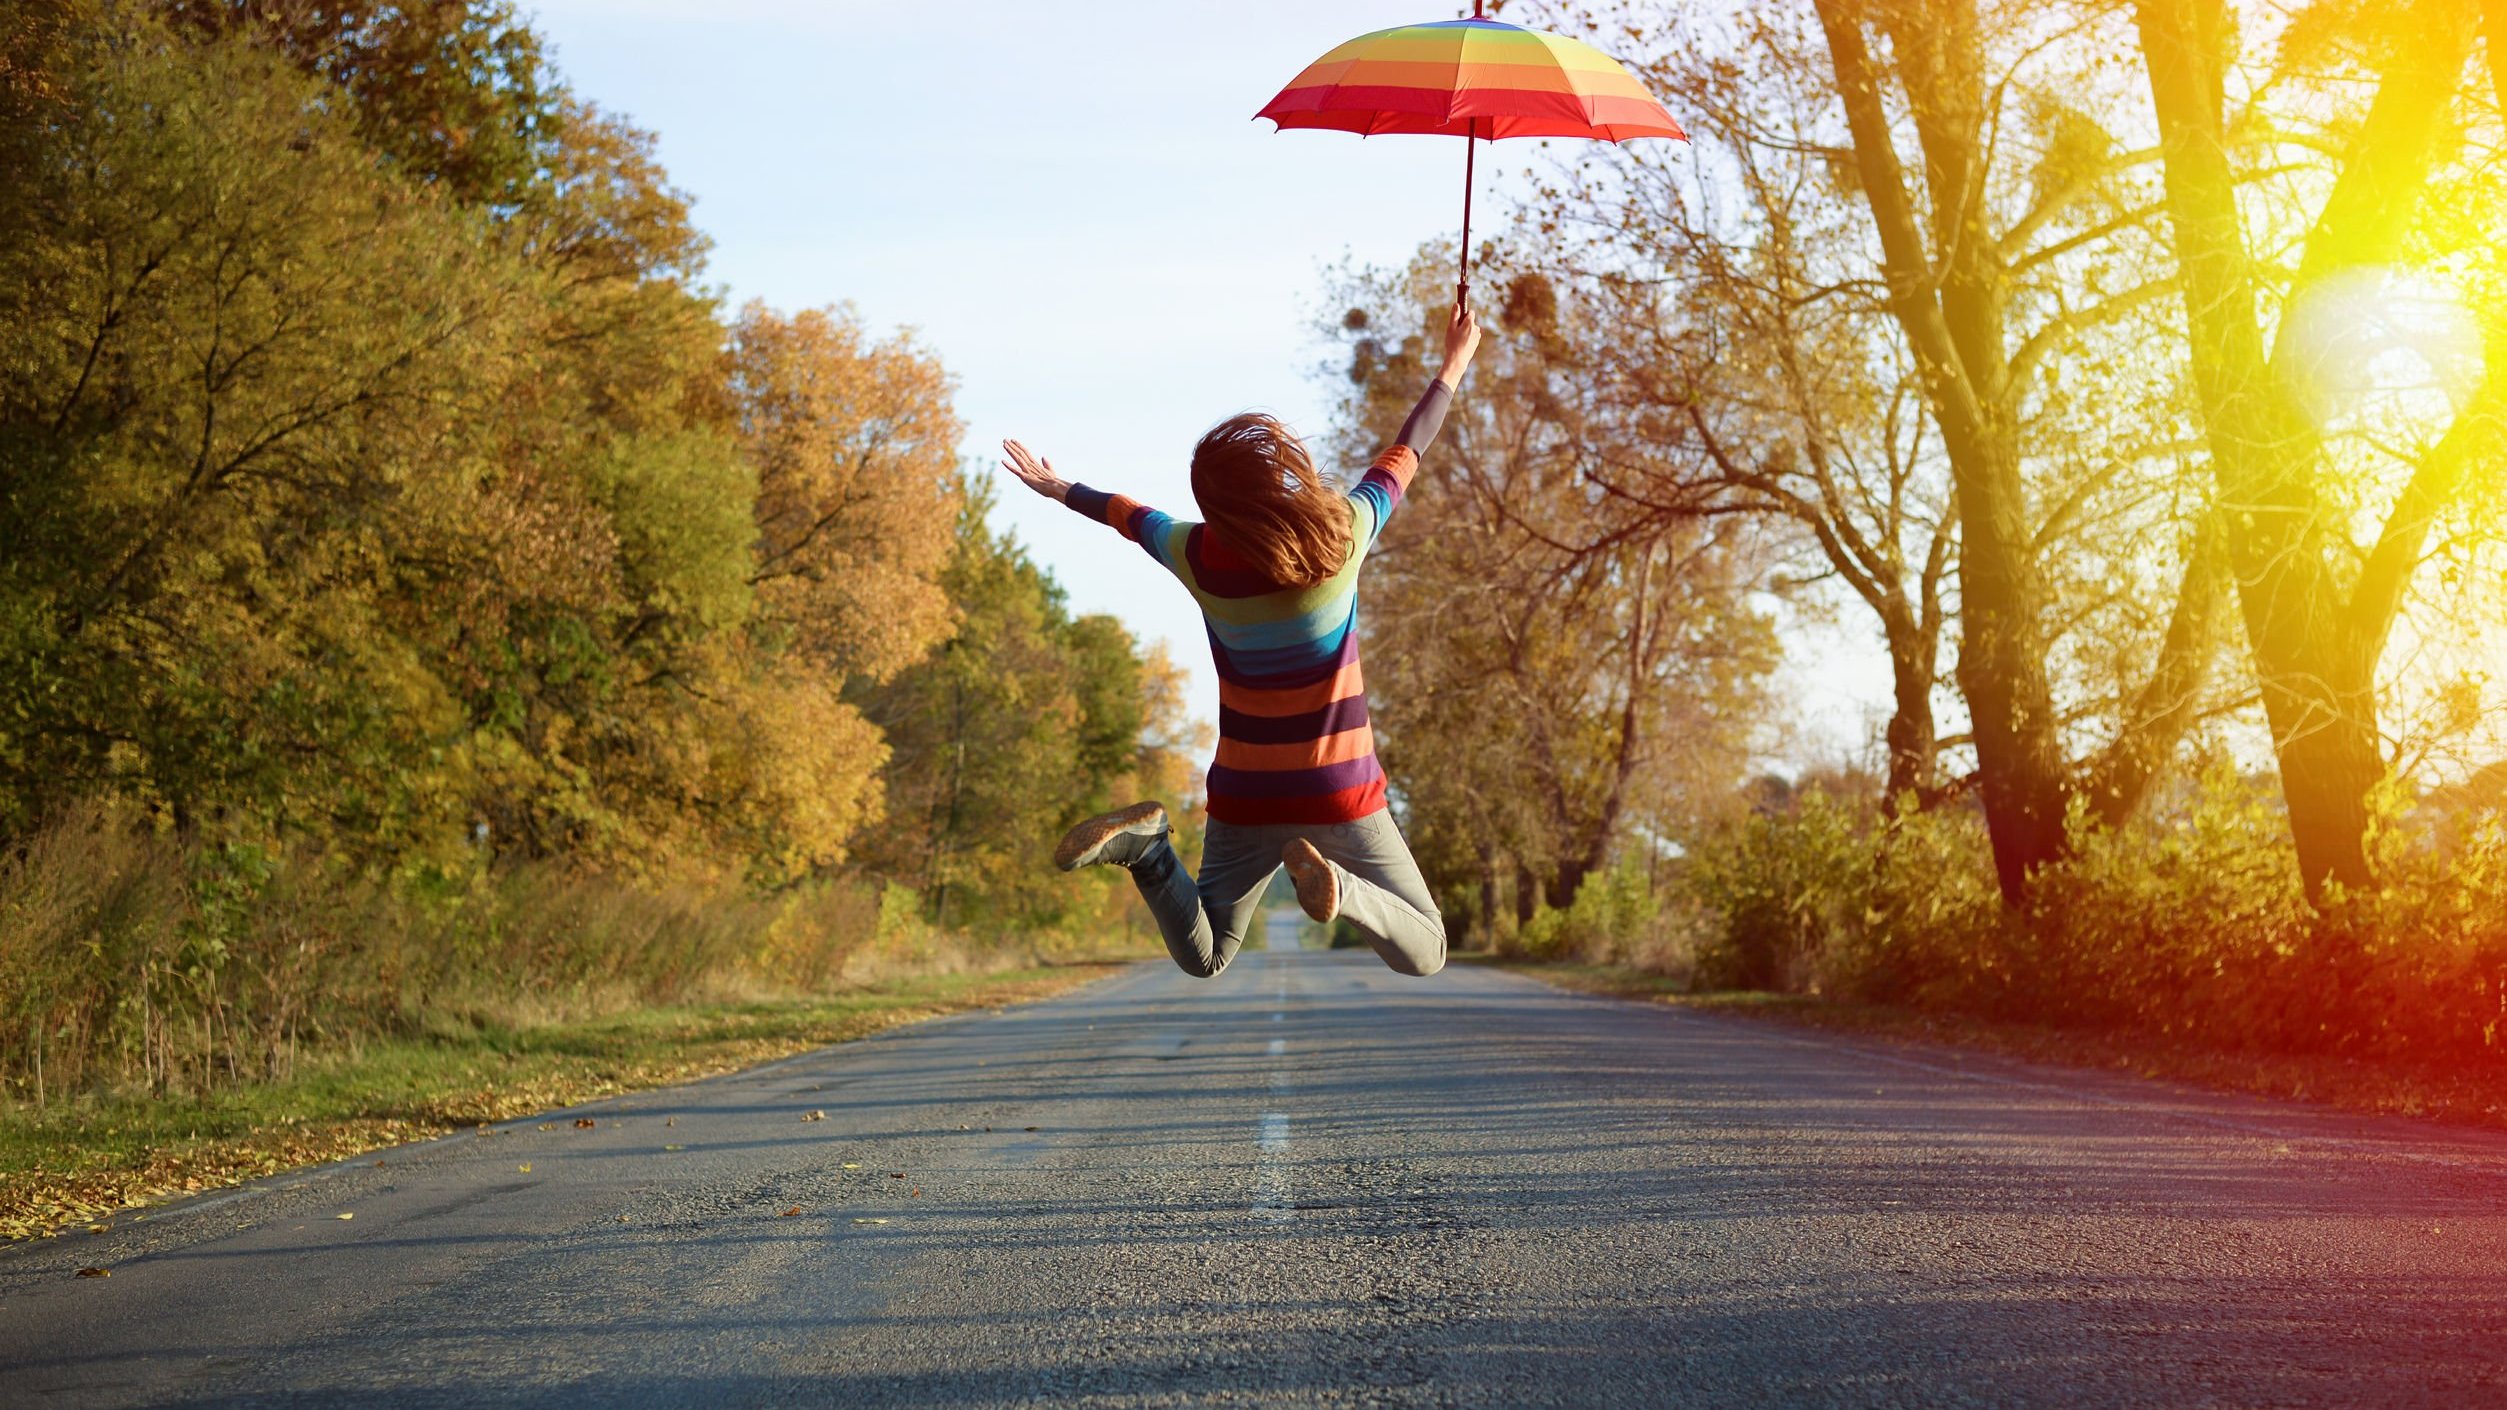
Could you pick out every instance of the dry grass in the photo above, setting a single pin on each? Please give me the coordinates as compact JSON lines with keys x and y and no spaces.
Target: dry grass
{"x":104,"y":1155}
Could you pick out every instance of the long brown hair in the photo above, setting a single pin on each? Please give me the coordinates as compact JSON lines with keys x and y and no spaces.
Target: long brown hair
{"x":1265,"y":502}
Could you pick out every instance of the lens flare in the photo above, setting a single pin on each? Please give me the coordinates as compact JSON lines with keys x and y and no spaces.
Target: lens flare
{"x":2369,"y":339}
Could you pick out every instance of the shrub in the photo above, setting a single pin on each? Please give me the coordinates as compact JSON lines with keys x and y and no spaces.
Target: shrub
{"x":2190,"y":922}
{"x":1783,"y":887}
{"x":1614,"y":914}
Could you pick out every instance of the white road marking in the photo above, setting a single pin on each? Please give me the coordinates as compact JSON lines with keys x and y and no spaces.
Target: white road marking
{"x":1271,"y":1135}
{"x":1270,"y":1167}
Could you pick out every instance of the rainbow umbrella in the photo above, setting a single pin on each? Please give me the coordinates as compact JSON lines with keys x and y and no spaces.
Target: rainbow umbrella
{"x":1474,"y":78}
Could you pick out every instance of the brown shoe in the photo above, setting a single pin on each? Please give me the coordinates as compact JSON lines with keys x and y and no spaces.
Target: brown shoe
{"x":1120,"y":838}
{"x":1318,"y":888}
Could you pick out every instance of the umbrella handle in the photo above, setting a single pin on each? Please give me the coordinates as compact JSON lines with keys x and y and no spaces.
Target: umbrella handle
{"x":1462,"y":284}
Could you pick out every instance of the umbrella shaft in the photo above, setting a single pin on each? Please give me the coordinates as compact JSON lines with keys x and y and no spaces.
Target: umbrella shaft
{"x":1462,"y":286}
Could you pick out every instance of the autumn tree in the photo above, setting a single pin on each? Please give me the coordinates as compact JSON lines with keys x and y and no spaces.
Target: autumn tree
{"x":361,"y":488}
{"x":1024,"y":720}
{"x":455,"y":94}
{"x":1557,"y":675}
{"x":1910,"y":290}
{"x":229,"y":340}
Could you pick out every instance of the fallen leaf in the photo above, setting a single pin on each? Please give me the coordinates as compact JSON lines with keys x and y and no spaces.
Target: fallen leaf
{"x":107,"y":1272}
{"x":347,"y":1214}
{"x":525,"y":1169}
{"x":915,"y":1193}
{"x":793,"y":1212}
{"x":584,"y":1123}
{"x":1031,"y":1128}
{"x":100,"y":1228}
{"x":673,"y":1121}
{"x":815,"y":1116}
{"x":870,"y":1221}
{"x":896,"y":1174}
{"x":378,"y":1162}
{"x":548,"y":1125}
{"x":674,"y":1148}
{"x":853,"y":1165}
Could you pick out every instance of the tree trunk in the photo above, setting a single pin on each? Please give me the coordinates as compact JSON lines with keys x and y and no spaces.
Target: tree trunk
{"x":1567,"y":881}
{"x":1488,"y":895}
{"x":1952,"y":317}
{"x":1912,"y":736}
{"x":2494,"y":39}
{"x":2157,"y":719}
{"x":2316,"y":660}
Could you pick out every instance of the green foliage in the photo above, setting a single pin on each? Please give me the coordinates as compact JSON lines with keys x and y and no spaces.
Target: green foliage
{"x":1783,"y":886}
{"x":679,"y":505}
{"x":1612,"y":913}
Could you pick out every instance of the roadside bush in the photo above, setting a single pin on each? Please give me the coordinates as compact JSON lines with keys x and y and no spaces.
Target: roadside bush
{"x":2191,"y":923}
{"x":1784,"y":888}
{"x":1615,"y":916}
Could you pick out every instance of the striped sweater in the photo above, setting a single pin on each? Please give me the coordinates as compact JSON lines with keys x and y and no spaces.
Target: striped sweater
{"x":1294,"y":744}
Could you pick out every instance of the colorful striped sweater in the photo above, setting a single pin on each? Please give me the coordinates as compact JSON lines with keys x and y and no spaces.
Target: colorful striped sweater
{"x":1294,"y":743}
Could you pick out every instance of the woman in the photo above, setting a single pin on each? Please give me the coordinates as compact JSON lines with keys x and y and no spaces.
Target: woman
{"x":1296,"y":782}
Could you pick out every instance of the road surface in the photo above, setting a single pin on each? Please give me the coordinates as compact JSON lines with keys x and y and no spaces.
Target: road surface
{"x":1311,"y":1181}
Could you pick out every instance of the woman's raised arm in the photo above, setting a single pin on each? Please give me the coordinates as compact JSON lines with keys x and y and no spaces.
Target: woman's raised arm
{"x":1462,"y":343}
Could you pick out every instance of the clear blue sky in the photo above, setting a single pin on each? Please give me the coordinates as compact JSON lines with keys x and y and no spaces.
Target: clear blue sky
{"x":1071,"y":203}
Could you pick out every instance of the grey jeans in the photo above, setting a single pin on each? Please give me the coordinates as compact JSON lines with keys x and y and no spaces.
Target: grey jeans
{"x":1382,"y":893}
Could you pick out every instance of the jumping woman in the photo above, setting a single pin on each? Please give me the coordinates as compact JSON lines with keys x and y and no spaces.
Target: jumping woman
{"x":1275,"y":571}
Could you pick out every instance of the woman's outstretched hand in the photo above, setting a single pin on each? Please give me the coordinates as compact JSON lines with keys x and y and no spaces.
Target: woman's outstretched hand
{"x":1462,"y":341}
{"x":1035,"y":472}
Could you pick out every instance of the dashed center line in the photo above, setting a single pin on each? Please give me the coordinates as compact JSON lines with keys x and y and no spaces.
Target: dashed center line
{"x":1271,"y":1141}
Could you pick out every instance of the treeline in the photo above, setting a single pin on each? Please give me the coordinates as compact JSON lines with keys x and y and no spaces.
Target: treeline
{"x":417,"y":590}
{"x":2130,"y":376}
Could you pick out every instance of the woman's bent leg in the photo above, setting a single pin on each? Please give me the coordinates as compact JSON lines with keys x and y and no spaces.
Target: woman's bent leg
{"x":1382,"y":892}
{"x":1234,"y":868}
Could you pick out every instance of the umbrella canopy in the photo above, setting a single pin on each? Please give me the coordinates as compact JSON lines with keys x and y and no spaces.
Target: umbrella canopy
{"x":1470,"y":78}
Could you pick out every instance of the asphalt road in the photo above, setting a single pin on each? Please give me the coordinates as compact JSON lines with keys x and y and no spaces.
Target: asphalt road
{"x":1314,"y":1182}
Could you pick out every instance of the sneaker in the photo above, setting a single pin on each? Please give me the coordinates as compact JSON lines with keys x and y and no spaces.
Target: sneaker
{"x":1318,"y":887}
{"x":1119,"y":838}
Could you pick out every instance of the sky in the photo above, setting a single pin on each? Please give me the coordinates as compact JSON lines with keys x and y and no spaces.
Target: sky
{"x":1073,"y":206}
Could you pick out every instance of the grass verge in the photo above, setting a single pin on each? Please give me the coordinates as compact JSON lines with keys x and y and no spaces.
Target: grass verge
{"x":80,"y":1163}
{"x":2464,"y":1096}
